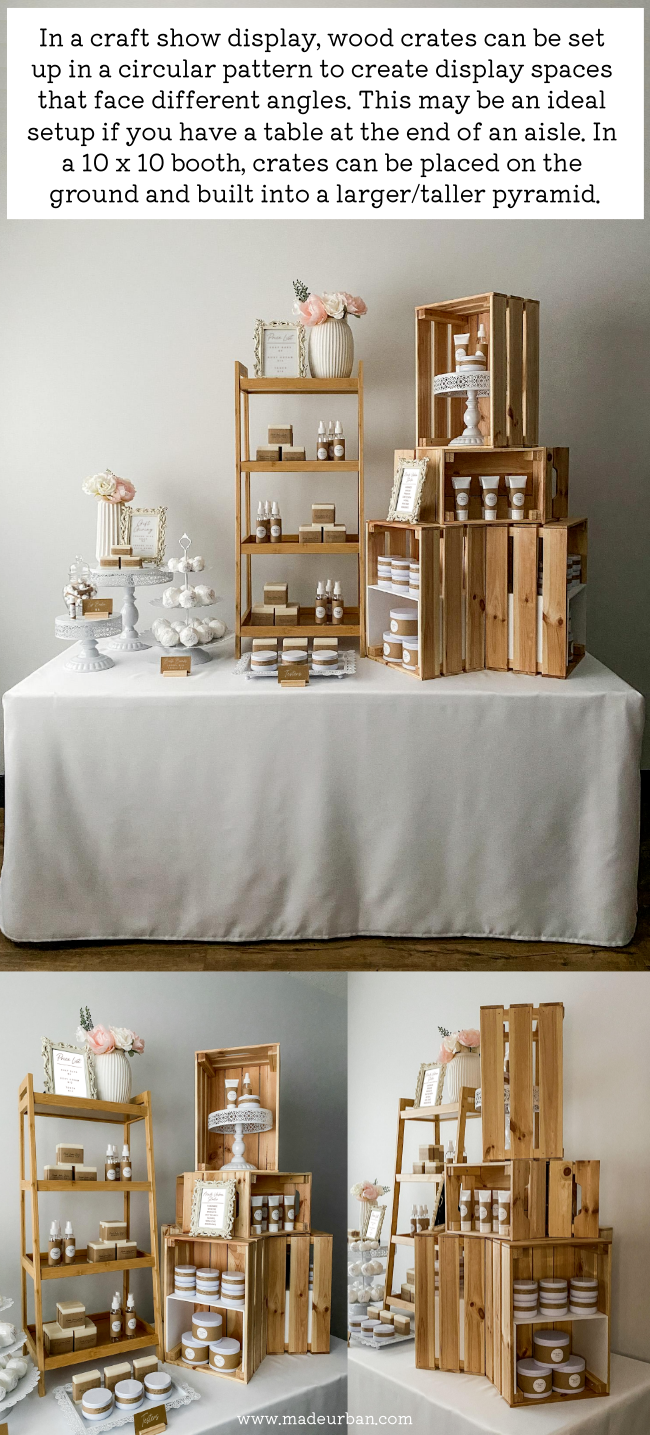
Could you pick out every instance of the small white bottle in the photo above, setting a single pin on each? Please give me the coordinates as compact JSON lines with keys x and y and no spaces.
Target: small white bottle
{"x":55,"y":1247}
{"x":450,"y":1154}
{"x":338,"y":608}
{"x":321,"y":604}
{"x":330,"y":440}
{"x":339,"y":443}
{"x":328,"y":599}
{"x":261,"y":530}
{"x":321,"y":442}
{"x":69,"y":1244}
{"x":111,"y":1165}
{"x":116,"y":1322}
{"x":125,"y":1164}
{"x":131,"y":1319}
{"x":276,"y":523}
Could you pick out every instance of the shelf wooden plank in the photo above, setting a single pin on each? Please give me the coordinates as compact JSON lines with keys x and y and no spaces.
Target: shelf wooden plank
{"x":145,"y":1336}
{"x":83,"y":1267}
{"x":305,"y":465}
{"x":403,"y":1240}
{"x":291,"y":544}
{"x":81,"y":1108}
{"x":298,"y":386}
{"x":306,"y":627}
{"x":85,"y":1186}
{"x":395,"y":1302}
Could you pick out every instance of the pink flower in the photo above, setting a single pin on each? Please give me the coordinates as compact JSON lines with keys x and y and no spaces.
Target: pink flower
{"x":124,"y":491}
{"x":313,"y":310}
{"x":99,"y":1041}
{"x":370,"y":1192}
{"x":138,"y":1044}
{"x":355,"y":306}
{"x":444,"y":1056}
{"x":470,"y":1037}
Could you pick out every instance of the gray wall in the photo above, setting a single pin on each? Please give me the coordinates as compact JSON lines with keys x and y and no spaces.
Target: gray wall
{"x":178,"y":1015}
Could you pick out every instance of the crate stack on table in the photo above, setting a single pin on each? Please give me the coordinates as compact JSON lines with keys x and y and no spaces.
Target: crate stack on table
{"x":500,"y":566}
{"x":265,"y":1288}
{"x":517,"y":1286}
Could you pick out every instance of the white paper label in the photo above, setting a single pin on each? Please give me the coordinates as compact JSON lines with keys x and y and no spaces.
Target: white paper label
{"x":490,"y":499}
{"x":261,"y":531}
{"x":110,"y":1175}
{"x":517,"y":498}
{"x":539,"y":1386}
{"x":574,"y":1381}
{"x":483,"y":1212}
{"x":55,"y":1254}
{"x":320,"y":612}
{"x":202,"y":1333}
{"x":217,"y":1359}
{"x":338,"y":450}
{"x":70,"y":1251}
{"x":337,"y":611}
{"x":276,"y":531}
{"x":131,"y":1323}
{"x":322,"y":453}
{"x":386,"y":650}
{"x":406,"y":656}
{"x":557,"y":1355}
{"x":462,"y":500}
{"x":126,"y":1173}
{"x":393,"y":625}
{"x":189,"y":1353}
{"x":504,"y":1214}
{"x":116,"y":1326}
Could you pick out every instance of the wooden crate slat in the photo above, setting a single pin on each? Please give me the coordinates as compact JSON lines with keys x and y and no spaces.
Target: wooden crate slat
{"x":587,"y":1175}
{"x":426,"y":1247}
{"x":476,"y":594}
{"x":321,"y":1295}
{"x":298,"y":1295}
{"x":496,"y":598}
{"x":520,"y":1044}
{"x":276,"y":1263}
{"x":492,"y":1083}
{"x":515,"y":371}
{"x":498,"y":370}
{"x":429,"y":603}
{"x":452,"y":548}
{"x":489,"y":1311}
{"x":474,"y":1302}
{"x":554,"y":601}
{"x":508,"y":1344}
{"x":441,"y":362}
{"x":531,"y":369}
{"x":524,"y":590}
{"x":449,"y":1302}
{"x":550,"y":1078}
{"x":424,"y":390}
{"x":497,"y":1374}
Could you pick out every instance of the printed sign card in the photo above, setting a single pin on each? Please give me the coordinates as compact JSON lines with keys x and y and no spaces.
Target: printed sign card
{"x":153,"y":1420}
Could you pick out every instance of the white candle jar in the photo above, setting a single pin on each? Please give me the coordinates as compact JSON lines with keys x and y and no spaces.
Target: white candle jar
{"x":569,"y":1378}
{"x":551,"y":1347}
{"x":404,"y":622}
{"x":534,"y":1380}
{"x":392,"y":648}
{"x":410,"y":649}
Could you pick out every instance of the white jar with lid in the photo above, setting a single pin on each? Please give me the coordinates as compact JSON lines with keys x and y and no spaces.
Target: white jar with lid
{"x":225,"y":1354}
{"x":404,"y":622}
{"x":97,"y":1403}
{"x":410,"y":653}
{"x":207,"y":1325}
{"x":392,"y":648}
{"x":194,"y":1352}
{"x":534,"y":1380}
{"x":569,"y":1377}
{"x":157,"y":1385}
{"x":552,"y":1347}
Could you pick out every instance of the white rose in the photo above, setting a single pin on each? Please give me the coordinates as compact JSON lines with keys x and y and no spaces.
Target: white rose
{"x":101,"y":485}
{"x":123,"y":1037}
{"x":334,"y":305}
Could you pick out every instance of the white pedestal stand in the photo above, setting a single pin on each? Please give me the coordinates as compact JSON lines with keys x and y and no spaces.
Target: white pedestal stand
{"x":83,"y":630}
{"x":475,"y":385}
{"x":129,"y":640}
{"x":240,"y":1121}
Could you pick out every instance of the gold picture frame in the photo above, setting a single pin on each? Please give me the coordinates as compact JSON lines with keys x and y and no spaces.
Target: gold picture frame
{"x":213,"y":1209}
{"x":68,"y":1070}
{"x":430,"y":1083}
{"x":147,"y":538}
{"x":288,"y":362}
{"x":406,"y":497}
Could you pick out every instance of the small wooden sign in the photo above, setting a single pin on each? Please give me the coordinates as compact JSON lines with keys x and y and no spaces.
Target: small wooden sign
{"x":293,"y":674}
{"x":4,"y":1429}
{"x":97,"y":607}
{"x":176,"y":665}
{"x":153,"y":1420}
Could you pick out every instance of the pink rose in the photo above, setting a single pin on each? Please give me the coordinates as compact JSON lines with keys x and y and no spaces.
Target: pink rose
{"x":355,"y":306}
{"x":138,"y":1044}
{"x":124,"y":491}
{"x":99,"y":1041}
{"x":313,"y":310}
{"x":444,"y":1056}
{"x":471,"y":1037}
{"x":370,"y":1192}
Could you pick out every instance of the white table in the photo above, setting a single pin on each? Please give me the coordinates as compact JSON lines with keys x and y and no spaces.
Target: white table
{"x":216,"y":808}
{"x":385,"y":1382}
{"x":283,"y":1384}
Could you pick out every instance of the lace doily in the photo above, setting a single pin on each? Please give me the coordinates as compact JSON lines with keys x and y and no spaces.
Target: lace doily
{"x":347,"y":665}
{"x":182,"y":1394}
{"x":478,"y":381}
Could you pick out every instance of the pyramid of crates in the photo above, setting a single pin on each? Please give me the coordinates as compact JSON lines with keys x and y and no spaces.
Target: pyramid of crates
{"x":288,"y":1276}
{"x":498,"y":594}
{"x":468,"y":1281}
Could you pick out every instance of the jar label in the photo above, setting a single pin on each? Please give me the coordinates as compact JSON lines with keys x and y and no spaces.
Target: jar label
{"x":126,"y":1173}
{"x":574,"y":1381}
{"x":261,"y":531}
{"x":539,"y":1386}
{"x":504,"y":1213}
{"x":557,"y":1354}
{"x":386,"y":650}
{"x":517,"y":498}
{"x":337,"y":611}
{"x":70,"y":1251}
{"x":276,"y":531}
{"x":393,"y":625}
{"x":490,"y":499}
{"x":116,"y":1325}
{"x":465,"y":1210}
{"x":483,"y":1212}
{"x":110,"y":1175}
{"x":320,"y":611}
{"x":322,"y":453}
{"x":406,"y":657}
{"x":131,"y":1323}
{"x":202,"y":1333}
{"x":462,"y":500}
{"x":338,"y":450}
{"x":218,"y":1359}
{"x":189,"y":1353}
{"x":55,"y":1253}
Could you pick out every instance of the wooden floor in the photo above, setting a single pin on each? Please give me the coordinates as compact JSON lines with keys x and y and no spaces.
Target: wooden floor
{"x":356,"y":954}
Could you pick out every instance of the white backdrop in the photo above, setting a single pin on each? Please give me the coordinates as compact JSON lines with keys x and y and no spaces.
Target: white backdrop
{"x":393,"y":1027}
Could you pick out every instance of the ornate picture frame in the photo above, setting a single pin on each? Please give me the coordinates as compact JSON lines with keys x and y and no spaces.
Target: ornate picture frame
{"x":80,"y":1073}
{"x":150,"y":537}
{"x":430,"y":1082}
{"x":372,"y":1223}
{"x":287,"y":362}
{"x":213,"y":1209}
{"x":406,"y":497}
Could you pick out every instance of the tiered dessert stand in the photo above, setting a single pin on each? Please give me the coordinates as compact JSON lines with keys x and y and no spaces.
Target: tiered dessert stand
{"x":29,"y":1380}
{"x":476,"y":385}
{"x":241,"y":1121}
{"x":201,"y":652}
{"x":86,"y":631}
{"x":129,"y":579}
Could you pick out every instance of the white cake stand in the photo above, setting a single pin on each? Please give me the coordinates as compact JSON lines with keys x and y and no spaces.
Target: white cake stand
{"x":129,"y":640}
{"x":240,"y":1121}
{"x":199,"y":650}
{"x":475,"y":385}
{"x":85,"y":631}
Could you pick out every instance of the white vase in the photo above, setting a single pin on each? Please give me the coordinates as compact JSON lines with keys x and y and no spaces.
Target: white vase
{"x":331,"y":349}
{"x":462,"y":1071}
{"x":109,"y":517}
{"x":113,"y":1071}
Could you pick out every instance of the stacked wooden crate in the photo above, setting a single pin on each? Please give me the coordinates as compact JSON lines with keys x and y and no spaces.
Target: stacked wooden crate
{"x":465,"y":1317}
{"x":288,"y":1275}
{"x":496,"y":592}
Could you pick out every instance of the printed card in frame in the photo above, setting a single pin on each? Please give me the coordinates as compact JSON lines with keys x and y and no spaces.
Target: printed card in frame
{"x":69,"y":1070}
{"x":213,"y":1209}
{"x":145,"y":529}
{"x":431,"y":1079}
{"x":280,"y":350}
{"x":407,"y":490}
{"x":373,"y":1224}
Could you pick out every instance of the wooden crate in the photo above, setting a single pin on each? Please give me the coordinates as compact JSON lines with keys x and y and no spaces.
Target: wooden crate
{"x":570,"y":1214}
{"x":297,"y":1306}
{"x":510,"y":416}
{"x":212,"y":1068}
{"x":509,"y":1337}
{"x":247,"y":1326}
{"x":247,"y":1184}
{"x":450,"y":1322}
{"x":480,"y":604}
{"x":546,"y":471}
{"x":524,"y":1179}
{"x":532,"y":1037}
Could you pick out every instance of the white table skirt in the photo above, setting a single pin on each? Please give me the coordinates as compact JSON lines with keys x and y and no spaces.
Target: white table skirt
{"x":219,"y":809}
{"x":386,"y":1383}
{"x":296,"y":1385}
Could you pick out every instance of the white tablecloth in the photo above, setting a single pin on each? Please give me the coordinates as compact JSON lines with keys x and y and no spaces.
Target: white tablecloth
{"x":215,"y":808}
{"x":386,"y":1383}
{"x":284,"y":1384}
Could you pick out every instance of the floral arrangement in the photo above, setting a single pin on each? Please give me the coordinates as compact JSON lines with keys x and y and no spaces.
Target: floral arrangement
{"x":316,"y":308}
{"x":368,"y":1191}
{"x":108,"y":486}
{"x":102,"y":1039}
{"x":455,"y":1042}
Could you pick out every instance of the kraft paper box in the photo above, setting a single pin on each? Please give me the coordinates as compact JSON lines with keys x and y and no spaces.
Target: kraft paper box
{"x":99,"y":1251}
{"x":126,"y":1250}
{"x":121,"y":550}
{"x":293,"y":455}
{"x":59,"y":1172}
{"x":144,"y":1365}
{"x":334,"y":533}
{"x":407,"y":1292}
{"x":113,"y":1231}
{"x":261,"y":645}
{"x":402,"y":1324}
{"x":114,"y":1373}
{"x":276,"y":593}
{"x":85,"y":1336}
{"x":280,"y":433}
{"x":296,"y":644}
{"x":85,"y":1173}
{"x":56,"y":1340}
{"x":89,"y":1380}
{"x":323,"y":512}
{"x":326,"y":644}
{"x":69,"y":1154}
{"x":386,"y":1317}
{"x":262,"y":615}
{"x":268,"y":454}
{"x":70,"y":1313}
{"x":308,"y":534}
{"x":287,"y":616}
{"x":410,"y":1277}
